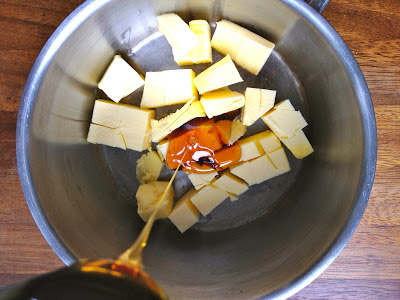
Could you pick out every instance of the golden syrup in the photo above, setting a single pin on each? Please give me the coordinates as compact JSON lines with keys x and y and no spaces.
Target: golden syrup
{"x":205,"y":145}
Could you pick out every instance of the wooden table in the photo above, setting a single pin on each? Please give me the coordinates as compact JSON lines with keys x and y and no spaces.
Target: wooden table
{"x":369,"y":266}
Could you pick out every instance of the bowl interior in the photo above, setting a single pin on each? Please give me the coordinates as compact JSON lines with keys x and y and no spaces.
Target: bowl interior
{"x":258,"y":245}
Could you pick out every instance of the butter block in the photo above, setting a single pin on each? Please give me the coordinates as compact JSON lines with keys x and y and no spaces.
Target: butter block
{"x":208,"y":198}
{"x":246,"y":48}
{"x":257,"y":103}
{"x":162,"y":149}
{"x":269,"y":142}
{"x":219,"y":75}
{"x":231,"y":184}
{"x":133,"y":122}
{"x":237,"y":131}
{"x":106,"y":136}
{"x":184,"y":214}
{"x":200,"y":180}
{"x":255,"y":171}
{"x":284,"y":105}
{"x":120,"y":79}
{"x":284,"y":122}
{"x":221,"y":101}
{"x":168,"y":88}
{"x":287,"y":124}
{"x":273,"y":162}
{"x":161,"y":128}
{"x":227,"y":40}
{"x":251,"y":147}
{"x":178,"y":34}
{"x":202,"y":52}
{"x":147,"y":197}
{"x":148,"y":167}
{"x":298,"y":144}
{"x":280,"y":161}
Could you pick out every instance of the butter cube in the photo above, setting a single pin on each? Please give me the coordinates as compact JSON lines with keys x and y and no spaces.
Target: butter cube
{"x":200,"y":180}
{"x":227,"y":40}
{"x":219,"y":75}
{"x":273,"y":162}
{"x":148,"y":167}
{"x":284,"y":122}
{"x":162,"y":149}
{"x":257,"y":103}
{"x":255,"y":171}
{"x":133,"y":122}
{"x":284,"y":105}
{"x":237,"y":131}
{"x":287,"y":124}
{"x":178,"y":34}
{"x":184,"y":214}
{"x":208,"y":198}
{"x":298,"y":144}
{"x":202,"y":52}
{"x":221,"y":101}
{"x":269,"y":142}
{"x":246,"y":48}
{"x":231,"y":184}
{"x":107,"y":136}
{"x":280,"y":161}
{"x":168,"y":88}
{"x":251,"y":147}
{"x":147,"y":197}
{"x":161,"y":128}
{"x":120,"y":79}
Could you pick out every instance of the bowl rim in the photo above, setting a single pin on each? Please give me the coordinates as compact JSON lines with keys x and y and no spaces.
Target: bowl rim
{"x":353,"y":71}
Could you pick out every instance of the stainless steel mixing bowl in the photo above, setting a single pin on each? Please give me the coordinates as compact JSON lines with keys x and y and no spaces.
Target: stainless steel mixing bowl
{"x":281,"y":234}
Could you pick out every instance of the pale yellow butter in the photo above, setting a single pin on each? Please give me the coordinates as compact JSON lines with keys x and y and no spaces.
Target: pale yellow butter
{"x":257,"y":103}
{"x":251,"y":147}
{"x":147,"y":197}
{"x":284,"y":122}
{"x":237,"y":131}
{"x":162,"y":149}
{"x":287,"y":124}
{"x":280,"y":161}
{"x":269,"y":142}
{"x":106,"y":136}
{"x":148,"y":167}
{"x":184,"y":214}
{"x":200,"y":180}
{"x":168,"y":88}
{"x":255,"y":171}
{"x":298,"y":144}
{"x":161,"y":128}
{"x":221,"y":101}
{"x":133,"y":122}
{"x":202,"y":52}
{"x":231,"y":184}
{"x":208,"y":198}
{"x":284,"y":105}
{"x":246,"y":48}
{"x":178,"y":34}
{"x":120,"y":79}
{"x":219,"y":75}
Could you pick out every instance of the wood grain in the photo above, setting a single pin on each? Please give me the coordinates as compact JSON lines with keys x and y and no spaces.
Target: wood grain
{"x":369,"y":266}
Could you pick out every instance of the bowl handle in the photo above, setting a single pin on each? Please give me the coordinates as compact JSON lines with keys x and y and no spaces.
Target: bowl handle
{"x":318,"y":5}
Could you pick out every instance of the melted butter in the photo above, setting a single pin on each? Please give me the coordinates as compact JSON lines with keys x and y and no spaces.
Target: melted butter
{"x":202,"y":143}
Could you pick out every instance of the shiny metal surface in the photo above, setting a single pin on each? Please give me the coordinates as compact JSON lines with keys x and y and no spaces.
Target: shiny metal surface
{"x":272,"y":242}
